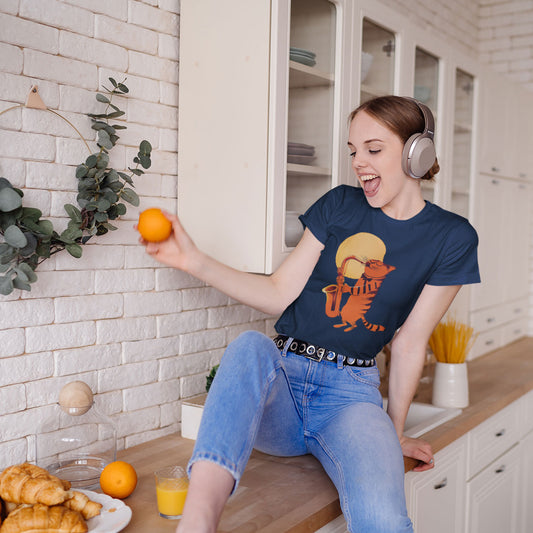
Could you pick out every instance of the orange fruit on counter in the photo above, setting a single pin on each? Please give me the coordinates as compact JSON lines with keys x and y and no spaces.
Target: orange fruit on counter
{"x":118,"y":479}
{"x":153,"y":225}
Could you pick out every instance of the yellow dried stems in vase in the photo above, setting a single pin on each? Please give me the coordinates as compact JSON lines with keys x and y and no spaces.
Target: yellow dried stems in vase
{"x":451,"y":341}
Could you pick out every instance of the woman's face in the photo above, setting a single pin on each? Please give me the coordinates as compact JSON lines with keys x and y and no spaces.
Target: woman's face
{"x":376,"y":154}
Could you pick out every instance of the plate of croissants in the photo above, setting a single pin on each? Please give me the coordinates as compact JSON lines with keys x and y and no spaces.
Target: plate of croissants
{"x":33,"y":500}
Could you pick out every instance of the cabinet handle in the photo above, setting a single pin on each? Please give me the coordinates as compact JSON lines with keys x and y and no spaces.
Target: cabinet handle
{"x":495,"y":169}
{"x":489,"y":342}
{"x":500,"y":470}
{"x":442,"y":484}
{"x":518,"y":310}
{"x":500,"y":433}
{"x":522,"y":175}
{"x":495,"y":182}
{"x":490,"y":319}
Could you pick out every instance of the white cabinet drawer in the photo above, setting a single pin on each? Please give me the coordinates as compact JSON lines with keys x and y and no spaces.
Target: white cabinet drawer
{"x":492,"y":438}
{"x":526,"y":405}
{"x":487,"y":318}
{"x":514,"y":331}
{"x":514,"y":310}
{"x":486,"y":342}
{"x":436,"y":498}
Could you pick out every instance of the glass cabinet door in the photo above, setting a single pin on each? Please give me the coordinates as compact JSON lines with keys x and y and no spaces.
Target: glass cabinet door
{"x":426,"y":91}
{"x":462,"y":142}
{"x":377,"y":61}
{"x":311,"y":106}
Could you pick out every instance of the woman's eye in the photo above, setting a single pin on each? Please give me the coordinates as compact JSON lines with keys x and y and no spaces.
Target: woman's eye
{"x":352,"y":154}
{"x":374,"y":151}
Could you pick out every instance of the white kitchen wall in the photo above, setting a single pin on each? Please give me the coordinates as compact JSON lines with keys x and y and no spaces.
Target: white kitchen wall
{"x":142,"y":336}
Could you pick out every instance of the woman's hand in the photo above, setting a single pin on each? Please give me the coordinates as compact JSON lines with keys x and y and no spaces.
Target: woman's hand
{"x":420,"y":450}
{"x":178,"y":251}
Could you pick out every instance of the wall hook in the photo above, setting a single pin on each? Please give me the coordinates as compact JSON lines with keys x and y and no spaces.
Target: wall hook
{"x":34,"y":100}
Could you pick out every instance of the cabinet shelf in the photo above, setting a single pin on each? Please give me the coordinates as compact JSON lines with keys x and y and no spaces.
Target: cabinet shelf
{"x":303,"y":76}
{"x":309,"y":170}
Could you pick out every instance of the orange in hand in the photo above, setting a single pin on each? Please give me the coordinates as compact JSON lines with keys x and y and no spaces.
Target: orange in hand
{"x":118,"y":479}
{"x":153,"y":225}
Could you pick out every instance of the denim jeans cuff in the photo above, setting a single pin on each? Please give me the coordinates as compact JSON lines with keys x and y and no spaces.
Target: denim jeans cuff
{"x":218,"y":460}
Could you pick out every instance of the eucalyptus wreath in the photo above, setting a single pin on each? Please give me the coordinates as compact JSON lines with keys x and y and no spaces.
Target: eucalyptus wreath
{"x":28,"y":240}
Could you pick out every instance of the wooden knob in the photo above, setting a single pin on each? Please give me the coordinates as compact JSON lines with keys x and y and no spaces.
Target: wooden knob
{"x":76,"y":398}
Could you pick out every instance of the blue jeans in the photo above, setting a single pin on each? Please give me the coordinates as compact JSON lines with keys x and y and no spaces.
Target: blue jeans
{"x":284,"y":404}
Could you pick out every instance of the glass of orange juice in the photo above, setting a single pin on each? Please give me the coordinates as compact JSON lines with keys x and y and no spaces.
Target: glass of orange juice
{"x":171,"y":486}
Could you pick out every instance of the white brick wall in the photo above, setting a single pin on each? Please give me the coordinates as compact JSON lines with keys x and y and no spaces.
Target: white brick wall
{"x":142,"y":336}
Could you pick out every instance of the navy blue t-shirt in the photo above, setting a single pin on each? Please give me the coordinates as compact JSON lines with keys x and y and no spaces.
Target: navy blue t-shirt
{"x":372,"y":270}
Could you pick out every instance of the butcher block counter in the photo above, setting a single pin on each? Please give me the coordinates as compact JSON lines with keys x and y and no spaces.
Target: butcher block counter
{"x":294,"y":494}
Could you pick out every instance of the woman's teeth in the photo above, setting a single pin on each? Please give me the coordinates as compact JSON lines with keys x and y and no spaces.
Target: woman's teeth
{"x":368,"y":177}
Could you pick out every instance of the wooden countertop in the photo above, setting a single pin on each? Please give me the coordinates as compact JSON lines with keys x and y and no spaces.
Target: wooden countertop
{"x":295,"y":495}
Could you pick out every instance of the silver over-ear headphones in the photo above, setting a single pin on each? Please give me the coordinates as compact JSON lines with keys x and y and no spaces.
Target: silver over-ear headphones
{"x":419,"y":153}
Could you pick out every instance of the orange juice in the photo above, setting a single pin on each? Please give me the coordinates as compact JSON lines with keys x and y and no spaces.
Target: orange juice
{"x":171,"y":494}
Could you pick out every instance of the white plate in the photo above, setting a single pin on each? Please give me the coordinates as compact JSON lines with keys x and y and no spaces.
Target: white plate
{"x":114,"y":516}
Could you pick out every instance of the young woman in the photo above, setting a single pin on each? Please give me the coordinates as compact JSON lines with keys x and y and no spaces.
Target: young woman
{"x":376,"y":263}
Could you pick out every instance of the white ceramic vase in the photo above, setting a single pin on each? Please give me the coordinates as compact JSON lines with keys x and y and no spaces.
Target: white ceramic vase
{"x":450,"y":385}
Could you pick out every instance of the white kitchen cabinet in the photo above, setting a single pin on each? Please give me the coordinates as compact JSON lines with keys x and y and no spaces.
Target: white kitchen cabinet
{"x":526,"y":453}
{"x":493,"y":496}
{"x":436,"y":499}
{"x":247,"y":88}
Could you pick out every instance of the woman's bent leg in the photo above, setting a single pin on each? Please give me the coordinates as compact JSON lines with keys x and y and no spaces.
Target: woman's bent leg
{"x":361,"y":453}
{"x":249,"y":383}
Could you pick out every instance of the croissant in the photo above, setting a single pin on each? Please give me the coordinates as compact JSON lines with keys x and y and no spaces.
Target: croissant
{"x":39,"y":518}
{"x":81,"y":503}
{"x":27,"y":483}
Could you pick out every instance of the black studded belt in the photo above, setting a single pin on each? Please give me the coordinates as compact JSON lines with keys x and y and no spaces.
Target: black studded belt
{"x":316,"y":353}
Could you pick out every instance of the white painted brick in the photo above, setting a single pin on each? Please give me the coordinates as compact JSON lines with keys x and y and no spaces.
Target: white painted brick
{"x":124,"y":280}
{"x":117,"y":158}
{"x":168,"y":140}
{"x":225,"y":316}
{"x":171,"y":278}
{"x":60,"y":69}
{"x":117,"y":8}
{"x":92,"y":358}
{"x":149,"y":184}
{"x":152,"y":303}
{"x":27,"y":145}
{"x":137,"y":421}
{"x":94,"y":257}
{"x":147,"y":436}
{"x":39,"y":198}
{"x":165,"y":163}
{"x":73,"y":151}
{"x":124,"y":234}
{"x":109,"y":403}
{"x":29,"y":34}
{"x":514,"y":29}
{"x":169,"y":186}
{"x":169,"y":47}
{"x":150,"y":349}
{"x":9,"y":6}
{"x":78,"y":100}
{"x":57,"y":14}
{"x":13,"y":170}
{"x":61,"y":283}
{"x":126,"y":35}
{"x":93,"y":51}
{"x":170,"y":414}
{"x":232,"y":332}
{"x":12,"y":342}
{"x":152,"y":114}
{"x":46,"y":391}
{"x":184,"y":322}
{"x":26,"y":368}
{"x":12,"y":399}
{"x":16,"y":89}
{"x":136,"y":257}
{"x":495,"y":44}
{"x":185,"y":365}
{"x":13,"y":452}
{"x":152,"y":394}
{"x":152,"y":18}
{"x":20,"y":313}
{"x":204,"y":297}
{"x":124,"y":376}
{"x":139,"y":86}
{"x":11,"y":58}
{"x":200,"y":341}
{"x":81,"y":308}
{"x":50,"y":176}
{"x":36,"y":121}
{"x":170,"y":5}
{"x":58,"y":336}
{"x":169,"y":93}
{"x":157,"y":68}
{"x":192,"y":385}
{"x":138,"y":132}
{"x":125,"y":329}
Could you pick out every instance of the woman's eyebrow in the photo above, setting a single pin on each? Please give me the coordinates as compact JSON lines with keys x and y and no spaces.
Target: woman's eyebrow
{"x":367,"y":141}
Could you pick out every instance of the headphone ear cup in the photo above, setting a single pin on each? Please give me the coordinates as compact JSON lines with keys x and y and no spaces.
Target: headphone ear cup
{"x":418,"y":155}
